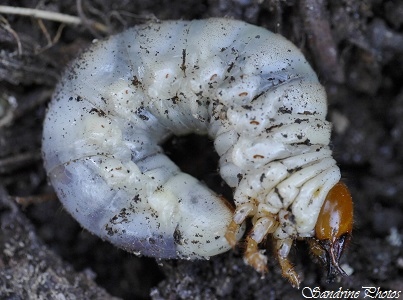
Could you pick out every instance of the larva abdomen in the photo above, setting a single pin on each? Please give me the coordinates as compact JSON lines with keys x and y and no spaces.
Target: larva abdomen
{"x":250,"y":90}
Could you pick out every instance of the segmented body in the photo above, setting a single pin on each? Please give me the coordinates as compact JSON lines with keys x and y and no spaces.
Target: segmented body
{"x":250,"y":90}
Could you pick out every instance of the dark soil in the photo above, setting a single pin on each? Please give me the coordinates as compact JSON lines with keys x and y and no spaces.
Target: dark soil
{"x":357,"y":49}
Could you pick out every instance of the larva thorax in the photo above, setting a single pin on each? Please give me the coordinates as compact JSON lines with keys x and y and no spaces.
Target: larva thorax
{"x":250,"y":90}
{"x":273,"y":138}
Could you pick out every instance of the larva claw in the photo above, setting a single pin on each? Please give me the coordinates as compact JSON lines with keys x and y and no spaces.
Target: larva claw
{"x":287,"y":270}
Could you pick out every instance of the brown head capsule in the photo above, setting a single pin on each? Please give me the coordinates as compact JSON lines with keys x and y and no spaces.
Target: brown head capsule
{"x":333,"y":228}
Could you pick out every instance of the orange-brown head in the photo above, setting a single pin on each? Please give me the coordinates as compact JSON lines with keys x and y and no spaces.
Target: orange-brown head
{"x":334,"y":227}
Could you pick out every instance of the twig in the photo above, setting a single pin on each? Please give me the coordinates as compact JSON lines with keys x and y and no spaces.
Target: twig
{"x":29,"y":200}
{"x":49,"y":15}
{"x":321,"y":41}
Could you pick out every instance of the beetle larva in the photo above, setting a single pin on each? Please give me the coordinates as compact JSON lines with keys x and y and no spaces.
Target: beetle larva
{"x":250,"y":90}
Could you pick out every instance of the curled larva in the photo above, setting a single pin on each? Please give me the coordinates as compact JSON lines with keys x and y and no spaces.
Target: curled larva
{"x":250,"y":90}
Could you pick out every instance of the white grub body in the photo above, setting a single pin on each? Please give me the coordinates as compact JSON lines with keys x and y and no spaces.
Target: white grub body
{"x":250,"y":90}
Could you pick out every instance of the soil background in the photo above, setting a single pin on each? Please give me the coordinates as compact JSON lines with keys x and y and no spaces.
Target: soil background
{"x":356,"y":46}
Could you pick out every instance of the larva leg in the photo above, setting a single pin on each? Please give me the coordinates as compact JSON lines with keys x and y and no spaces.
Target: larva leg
{"x":255,"y":257}
{"x":261,"y":228}
{"x":242,"y":211}
{"x":231,"y":233}
{"x":283,"y":249}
